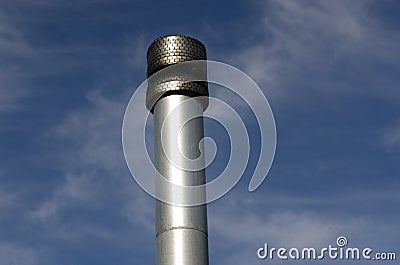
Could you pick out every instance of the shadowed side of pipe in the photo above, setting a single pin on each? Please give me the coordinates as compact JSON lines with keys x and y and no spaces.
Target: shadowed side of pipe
{"x":181,"y":231}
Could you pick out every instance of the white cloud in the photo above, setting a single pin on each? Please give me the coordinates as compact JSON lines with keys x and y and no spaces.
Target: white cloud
{"x":89,"y":156}
{"x":12,"y":90}
{"x":239,"y":227}
{"x":75,"y":190}
{"x":12,"y":37}
{"x":12,"y":254}
{"x":391,"y":136}
{"x":9,"y":197}
{"x":310,"y":44}
{"x":88,"y":151}
{"x":135,"y":51}
{"x":13,"y":45}
{"x":6,"y":199}
{"x":138,"y":208}
{"x":93,"y":134}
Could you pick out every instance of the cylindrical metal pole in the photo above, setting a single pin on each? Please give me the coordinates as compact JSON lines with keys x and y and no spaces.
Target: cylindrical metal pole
{"x":181,"y":231}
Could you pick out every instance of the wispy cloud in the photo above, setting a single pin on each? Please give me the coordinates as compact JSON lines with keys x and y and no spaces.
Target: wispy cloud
{"x":13,"y":254}
{"x":95,"y":176}
{"x":72,"y":192}
{"x":6,"y":199}
{"x":320,"y":47}
{"x":135,"y":50}
{"x":239,"y":227}
{"x":13,"y":41}
{"x":92,"y":133}
{"x":14,"y":49}
{"x":391,"y":136}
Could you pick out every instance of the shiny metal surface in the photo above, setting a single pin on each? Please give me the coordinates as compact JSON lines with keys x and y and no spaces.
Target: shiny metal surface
{"x":181,"y":232}
{"x":182,"y":246}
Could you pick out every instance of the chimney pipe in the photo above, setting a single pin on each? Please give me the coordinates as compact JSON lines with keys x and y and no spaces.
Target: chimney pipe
{"x":181,"y":231}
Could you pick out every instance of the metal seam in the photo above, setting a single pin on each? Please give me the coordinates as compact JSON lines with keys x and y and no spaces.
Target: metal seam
{"x":181,"y":227}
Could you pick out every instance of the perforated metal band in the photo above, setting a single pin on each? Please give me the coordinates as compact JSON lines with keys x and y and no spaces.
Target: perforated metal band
{"x":167,"y":51}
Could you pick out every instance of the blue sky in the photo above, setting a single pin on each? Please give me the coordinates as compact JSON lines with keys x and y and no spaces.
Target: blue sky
{"x":330,"y":70}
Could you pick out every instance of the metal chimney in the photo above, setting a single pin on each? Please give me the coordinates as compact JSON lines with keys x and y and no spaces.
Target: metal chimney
{"x":181,"y":231}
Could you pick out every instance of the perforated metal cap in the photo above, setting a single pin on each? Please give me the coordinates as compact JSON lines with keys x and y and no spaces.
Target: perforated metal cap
{"x":172,"y":50}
